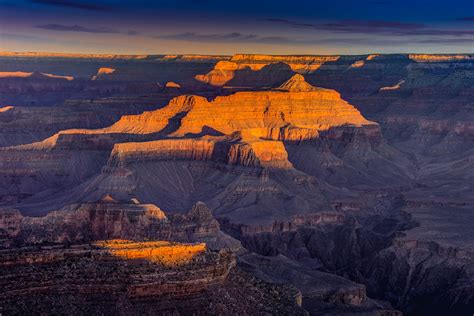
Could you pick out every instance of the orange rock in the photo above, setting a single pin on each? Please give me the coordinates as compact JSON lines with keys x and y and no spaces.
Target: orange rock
{"x":222,"y":73}
{"x":162,"y":252}
{"x":234,"y":150}
{"x":171,"y":84}
{"x":297,"y":83}
{"x":36,"y":75}
{"x":439,"y":58}
{"x":6,"y":108}
{"x":103,"y":71}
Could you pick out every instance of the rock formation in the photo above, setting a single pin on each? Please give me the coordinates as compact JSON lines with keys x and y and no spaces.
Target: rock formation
{"x":294,"y":104}
{"x":108,"y":219}
{"x":103,"y":71}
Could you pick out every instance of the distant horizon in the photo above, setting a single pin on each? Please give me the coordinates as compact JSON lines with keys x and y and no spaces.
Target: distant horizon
{"x":13,"y":53}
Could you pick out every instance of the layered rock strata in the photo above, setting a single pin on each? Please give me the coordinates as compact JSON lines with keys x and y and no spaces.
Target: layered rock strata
{"x":107,"y":273}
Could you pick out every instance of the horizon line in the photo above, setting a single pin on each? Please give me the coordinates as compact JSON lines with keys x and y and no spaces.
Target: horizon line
{"x":71,"y":54}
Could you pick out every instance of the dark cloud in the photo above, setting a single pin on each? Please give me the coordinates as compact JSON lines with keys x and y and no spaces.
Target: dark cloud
{"x":11,"y":36}
{"x":76,"y":28}
{"x":374,"y":27}
{"x":225,"y":37}
{"x":335,"y":41}
{"x":132,"y":32}
{"x":447,"y":41}
{"x":387,"y":42}
{"x":73,"y":4}
{"x":467,"y":18}
{"x":353,"y":25}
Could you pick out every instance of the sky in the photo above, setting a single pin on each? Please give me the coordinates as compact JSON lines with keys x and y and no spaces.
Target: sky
{"x":241,"y":26}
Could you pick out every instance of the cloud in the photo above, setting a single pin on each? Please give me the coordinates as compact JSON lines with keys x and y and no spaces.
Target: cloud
{"x":73,"y":4}
{"x":336,"y":41}
{"x":22,"y":37}
{"x":36,"y":39}
{"x":466,"y":18}
{"x":390,"y":42}
{"x":374,"y":27}
{"x":225,"y":37}
{"x":76,"y":28}
{"x":86,"y":29}
{"x":353,"y":25}
{"x":447,"y":41}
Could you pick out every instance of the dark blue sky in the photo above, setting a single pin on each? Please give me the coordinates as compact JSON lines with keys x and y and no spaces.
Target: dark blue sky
{"x":224,"y":27}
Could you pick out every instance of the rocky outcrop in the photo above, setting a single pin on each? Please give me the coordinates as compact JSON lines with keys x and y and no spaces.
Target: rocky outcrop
{"x":298,"y":104}
{"x":113,"y":271}
{"x":33,"y":75}
{"x":173,"y":85}
{"x":222,"y":73}
{"x":423,"y":278}
{"x":102,"y":72}
{"x":297,"y":83}
{"x":108,"y":219}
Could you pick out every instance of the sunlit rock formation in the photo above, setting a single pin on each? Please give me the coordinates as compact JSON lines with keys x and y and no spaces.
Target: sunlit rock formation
{"x":232,"y":150}
{"x":33,"y":75}
{"x":222,"y":73}
{"x":172,"y":84}
{"x":295,"y":104}
{"x":102,"y":72}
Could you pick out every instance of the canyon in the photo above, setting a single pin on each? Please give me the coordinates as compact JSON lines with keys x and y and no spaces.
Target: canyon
{"x":322,"y":185}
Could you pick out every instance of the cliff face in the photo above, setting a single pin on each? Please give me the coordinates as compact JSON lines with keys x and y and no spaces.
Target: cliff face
{"x":234,"y":150}
{"x":108,"y":219}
